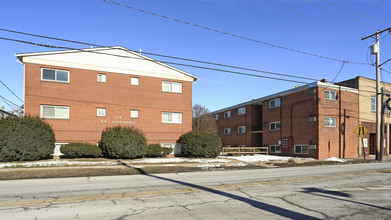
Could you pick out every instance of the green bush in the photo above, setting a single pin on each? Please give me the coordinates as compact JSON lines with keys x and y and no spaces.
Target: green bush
{"x":25,"y":139}
{"x":123,"y":143}
{"x":200,"y":144}
{"x":154,"y":150}
{"x":81,"y":150}
{"x":166,"y":151}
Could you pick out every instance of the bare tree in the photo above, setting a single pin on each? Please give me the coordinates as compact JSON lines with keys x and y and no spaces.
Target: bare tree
{"x":202,"y":119}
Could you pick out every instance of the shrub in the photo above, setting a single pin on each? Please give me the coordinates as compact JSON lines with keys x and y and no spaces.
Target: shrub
{"x":25,"y":139}
{"x":200,"y":144}
{"x":166,"y":151}
{"x":77,"y":150}
{"x":123,"y":143}
{"x":154,"y":150}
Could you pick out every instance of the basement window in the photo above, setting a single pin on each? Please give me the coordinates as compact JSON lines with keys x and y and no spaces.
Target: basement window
{"x":301,"y":149}
{"x":275,"y":149}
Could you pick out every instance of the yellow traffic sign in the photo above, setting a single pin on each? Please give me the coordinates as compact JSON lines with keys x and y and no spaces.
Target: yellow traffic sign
{"x":361,"y":131}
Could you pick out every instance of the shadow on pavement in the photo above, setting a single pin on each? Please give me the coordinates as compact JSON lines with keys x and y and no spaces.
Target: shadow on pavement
{"x":257,"y":204}
{"x":321,"y":192}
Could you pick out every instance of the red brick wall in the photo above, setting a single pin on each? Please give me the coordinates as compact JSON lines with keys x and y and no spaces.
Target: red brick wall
{"x":293,"y":114}
{"x":330,"y":142}
{"x":84,"y":95}
{"x":252,"y":118}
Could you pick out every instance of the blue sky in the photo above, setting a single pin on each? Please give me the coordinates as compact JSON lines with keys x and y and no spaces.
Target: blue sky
{"x":103,"y":23}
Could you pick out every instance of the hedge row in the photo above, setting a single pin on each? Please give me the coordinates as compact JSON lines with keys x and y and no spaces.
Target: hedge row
{"x":31,"y":138}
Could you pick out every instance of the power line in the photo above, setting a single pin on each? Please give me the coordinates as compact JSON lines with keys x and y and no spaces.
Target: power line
{"x":365,"y":16}
{"x":152,"y":60}
{"x":6,"y":101}
{"x":155,"y":54}
{"x":352,"y":19}
{"x":233,"y":35}
{"x":11,"y":91}
{"x":311,"y":18}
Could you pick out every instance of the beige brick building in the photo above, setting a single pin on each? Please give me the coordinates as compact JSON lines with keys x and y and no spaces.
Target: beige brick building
{"x":81,"y":92}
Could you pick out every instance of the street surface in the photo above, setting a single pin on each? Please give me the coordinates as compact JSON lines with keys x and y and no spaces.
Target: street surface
{"x":358,"y":191}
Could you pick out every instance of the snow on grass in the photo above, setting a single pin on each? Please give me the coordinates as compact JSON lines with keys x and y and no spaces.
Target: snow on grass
{"x":259,"y":158}
{"x":55,"y":163}
{"x":180,"y":160}
{"x":334,"y":159}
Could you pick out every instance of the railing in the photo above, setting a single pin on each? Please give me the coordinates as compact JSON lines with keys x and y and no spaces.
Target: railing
{"x":245,"y":150}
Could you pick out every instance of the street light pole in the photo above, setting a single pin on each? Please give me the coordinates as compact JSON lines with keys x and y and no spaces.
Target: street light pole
{"x":376,"y":50}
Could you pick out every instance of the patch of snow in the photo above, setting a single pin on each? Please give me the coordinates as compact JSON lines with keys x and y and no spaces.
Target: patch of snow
{"x":335,"y":159}
{"x":236,"y":165}
{"x":259,"y":158}
{"x":55,"y":163}
{"x":180,"y":160}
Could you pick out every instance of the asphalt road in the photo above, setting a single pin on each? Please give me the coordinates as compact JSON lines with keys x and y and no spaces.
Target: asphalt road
{"x":357,"y":191}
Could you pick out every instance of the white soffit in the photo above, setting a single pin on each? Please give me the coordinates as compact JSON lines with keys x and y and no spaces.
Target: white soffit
{"x":107,"y":59}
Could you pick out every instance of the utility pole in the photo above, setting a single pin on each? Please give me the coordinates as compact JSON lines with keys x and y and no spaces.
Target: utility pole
{"x":376,"y":50}
{"x":381,"y":152}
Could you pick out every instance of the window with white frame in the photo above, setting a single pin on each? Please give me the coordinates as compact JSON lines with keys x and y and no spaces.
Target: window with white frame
{"x":242,"y":129}
{"x":174,"y":87}
{"x":275,"y":148}
{"x":101,"y":77}
{"x":330,"y":122}
{"x":216,"y":132}
{"x":172,"y":117}
{"x":133,"y":113}
{"x":275,"y":126}
{"x":301,"y":149}
{"x":227,"y":145}
{"x":227,"y":131}
{"x":55,"y":75}
{"x":54,"y":112}
{"x":227,"y":114}
{"x":373,"y":104}
{"x":332,"y":95}
{"x":216,"y":116}
{"x":274,"y":103}
{"x":242,"y":111}
{"x":101,"y":112}
{"x":134,"y":81}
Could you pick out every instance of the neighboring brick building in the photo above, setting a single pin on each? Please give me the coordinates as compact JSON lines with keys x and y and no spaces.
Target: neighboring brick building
{"x":306,"y":121}
{"x":367,"y":112}
{"x":81,"y":92}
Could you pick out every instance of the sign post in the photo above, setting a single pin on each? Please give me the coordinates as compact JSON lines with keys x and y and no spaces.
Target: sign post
{"x":361,"y":131}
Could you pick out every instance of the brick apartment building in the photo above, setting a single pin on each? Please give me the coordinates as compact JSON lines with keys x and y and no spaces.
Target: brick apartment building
{"x":81,"y":92}
{"x":316,"y":120}
{"x":367,"y":113}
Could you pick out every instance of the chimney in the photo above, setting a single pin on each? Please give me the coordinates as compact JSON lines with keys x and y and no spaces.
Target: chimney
{"x":324,"y":80}
{"x":2,"y":108}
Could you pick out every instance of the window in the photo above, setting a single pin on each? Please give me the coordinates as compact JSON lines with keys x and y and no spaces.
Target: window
{"x":275,"y":126}
{"x":171,"y":87}
{"x":330,"y":95}
{"x":275,"y":149}
{"x":373,"y":104}
{"x":241,"y":145}
{"x":216,"y":117}
{"x":54,"y":112}
{"x":330,"y":122}
{"x":274,"y":103}
{"x":227,"y":114}
{"x":242,"y":111}
{"x":55,"y":75}
{"x":101,"y":112}
{"x":172,"y":117}
{"x":242,"y":129}
{"x":227,"y":146}
{"x":134,"y":81}
{"x":133,"y":113}
{"x":301,"y":149}
{"x":101,"y":77}
{"x":216,"y":132}
{"x":227,"y":131}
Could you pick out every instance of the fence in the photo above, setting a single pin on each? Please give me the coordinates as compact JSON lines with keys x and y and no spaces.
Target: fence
{"x":245,"y":150}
